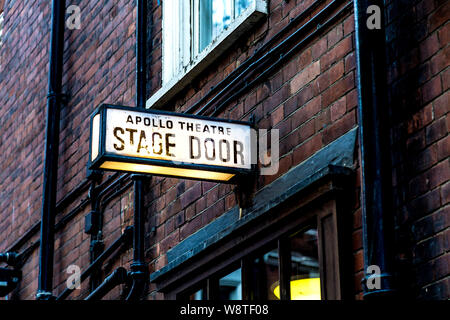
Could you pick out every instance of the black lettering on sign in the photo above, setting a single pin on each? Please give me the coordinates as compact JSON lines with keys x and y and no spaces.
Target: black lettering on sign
{"x":169,"y":144}
{"x":191,"y":147}
{"x":160,"y":143}
{"x":211,"y":155}
{"x":130,"y":119}
{"x":142,"y":142}
{"x":238,"y":149}
{"x":132,"y":132}
{"x":122,"y":143}
{"x":227,"y":152}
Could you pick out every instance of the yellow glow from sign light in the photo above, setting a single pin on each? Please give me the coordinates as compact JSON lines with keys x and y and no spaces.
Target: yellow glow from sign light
{"x":170,"y":171}
{"x":303,"y":289}
{"x":95,"y":136}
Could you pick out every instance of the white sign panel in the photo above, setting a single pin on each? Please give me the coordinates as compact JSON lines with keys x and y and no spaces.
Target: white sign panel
{"x":178,"y":139}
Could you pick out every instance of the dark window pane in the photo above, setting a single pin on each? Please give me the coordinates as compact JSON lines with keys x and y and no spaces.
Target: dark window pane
{"x":230,"y":286}
{"x":305,"y":275}
{"x":215,"y":16}
{"x":197,"y":293}
{"x":265,"y":276}
{"x":240,"y":6}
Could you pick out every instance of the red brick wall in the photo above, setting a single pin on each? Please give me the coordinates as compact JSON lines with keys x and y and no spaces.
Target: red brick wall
{"x":418,"y":77}
{"x":312,"y":99}
{"x":99,"y":66}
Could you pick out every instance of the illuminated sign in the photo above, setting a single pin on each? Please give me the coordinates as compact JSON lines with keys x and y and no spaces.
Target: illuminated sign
{"x":170,"y":144}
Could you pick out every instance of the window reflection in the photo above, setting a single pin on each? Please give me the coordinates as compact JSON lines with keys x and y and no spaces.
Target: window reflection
{"x":230,"y":286}
{"x":200,"y":294}
{"x":240,"y":6}
{"x":215,"y":16}
{"x":305,"y":275}
{"x":265,"y":276}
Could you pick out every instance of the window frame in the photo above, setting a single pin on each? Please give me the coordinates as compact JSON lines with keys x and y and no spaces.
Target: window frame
{"x":191,"y":64}
{"x":2,"y":20}
{"x":327,"y":204}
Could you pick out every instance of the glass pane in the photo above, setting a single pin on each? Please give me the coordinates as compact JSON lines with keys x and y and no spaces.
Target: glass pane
{"x":240,"y":6}
{"x":198,"y":295}
{"x":265,"y":276}
{"x":214,"y":17}
{"x":230,"y":286}
{"x":1,"y":26}
{"x":305,"y":275}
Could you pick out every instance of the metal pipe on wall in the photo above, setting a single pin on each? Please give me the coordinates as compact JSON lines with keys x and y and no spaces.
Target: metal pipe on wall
{"x":377,"y":212}
{"x":139,"y":270}
{"x":54,"y":103}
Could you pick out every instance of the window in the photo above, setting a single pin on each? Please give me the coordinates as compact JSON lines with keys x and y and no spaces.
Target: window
{"x":296,"y":248}
{"x":287,"y":269}
{"x":195,"y":33}
{"x":1,"y":26}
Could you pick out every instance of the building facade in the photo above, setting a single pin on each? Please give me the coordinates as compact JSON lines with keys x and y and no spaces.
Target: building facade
{"x":290,"y":67}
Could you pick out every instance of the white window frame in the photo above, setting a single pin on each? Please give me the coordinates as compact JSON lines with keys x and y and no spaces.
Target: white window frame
{"x":185,"y":63}
{"x":2,"y":17}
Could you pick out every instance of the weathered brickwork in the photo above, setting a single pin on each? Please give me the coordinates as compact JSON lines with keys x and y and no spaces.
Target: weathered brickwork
{"x":418,"y":60}
{"x":311,"y":98}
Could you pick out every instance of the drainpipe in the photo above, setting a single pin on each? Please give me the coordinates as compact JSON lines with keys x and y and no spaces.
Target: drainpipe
{"x":377,"y":208}
{"x":54,"y":102}
{"x":139,"y":269}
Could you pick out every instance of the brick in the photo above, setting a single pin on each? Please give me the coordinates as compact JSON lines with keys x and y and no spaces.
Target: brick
{"x":445,"y":193}
{"x":339,"y":127}
{"x":358,"y":259}
{"x":439,"y":174}
{"x":277,"y":116}
{"x":170,"y":241}
{"x":306,"y":149}
{"x":420,"y":119}
{"x":319,"y":48}
{"x":425,"y":204}
{"x":306,"y":130}
{"x":336,"y":91}
{"x":443,"y":148}
{"x":436,"y":291}
{"x":350,"y":62}
{"x":440,"y":61}
{"x":439,"y":17}
{"x":433,"y":270}
{"x":338,"y":109}
{"x":336,"y":53}
{"x":431,"y":224}
{"x":191,"y":195}
{"x":330,"y":76}
{"x":335,"y":35}
{"x":424,"y":159}
{"x":306,"y":112}
{"x":349,"y":25}
{"x":190,"y":227}
{"x":305,"y":76}
{"x":441,"y":105}
{"x":436,"y":130}
{"x":429,"y":249}
{"x":429,"y":46}
{"x":444,"y":35}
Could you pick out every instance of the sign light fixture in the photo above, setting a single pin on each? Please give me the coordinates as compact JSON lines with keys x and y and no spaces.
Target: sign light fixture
{"x":169,"y":144}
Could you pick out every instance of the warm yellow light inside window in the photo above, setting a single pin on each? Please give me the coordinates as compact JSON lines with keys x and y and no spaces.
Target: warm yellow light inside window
{"x":303,"y":289}
{"x":95,"y":137}
{"x":160,"y":170}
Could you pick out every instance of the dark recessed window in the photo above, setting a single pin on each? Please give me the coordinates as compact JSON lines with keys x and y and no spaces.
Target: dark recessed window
{"x":286,"y":269}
